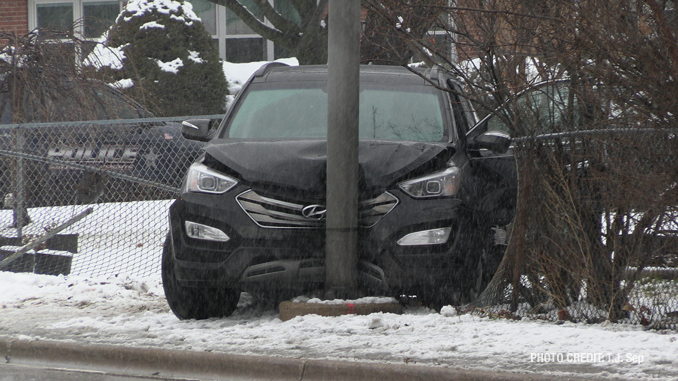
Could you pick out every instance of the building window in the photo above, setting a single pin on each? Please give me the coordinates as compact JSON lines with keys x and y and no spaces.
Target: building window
{"x":57,"y":17}
{"x":87,"y":18}
{"x":235,"y":26}
{"x":242,"y":43}
{"x":240,"y":50}
{"x":99,"y":16}
{"x":207,"y":11}
{"x":287,"y":10}
{"x":236,"y":41}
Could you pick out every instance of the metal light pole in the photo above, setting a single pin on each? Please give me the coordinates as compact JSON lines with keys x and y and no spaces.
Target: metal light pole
{"x":342,"y":149}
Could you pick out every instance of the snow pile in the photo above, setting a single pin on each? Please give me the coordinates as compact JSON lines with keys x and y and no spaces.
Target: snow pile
{"x":150,"y":25}
{"x":138,"y":8}
{"x":194,"y":56}
{"x":9,"y":56}
{"x":122,"y":84}
{"x":106,"y":56}
{"x":448,"y":311}
{"x":170,"y":67}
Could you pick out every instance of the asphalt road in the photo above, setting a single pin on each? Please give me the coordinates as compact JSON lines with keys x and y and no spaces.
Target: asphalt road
{"x":38,"y":371}
{"x":10,"y":372}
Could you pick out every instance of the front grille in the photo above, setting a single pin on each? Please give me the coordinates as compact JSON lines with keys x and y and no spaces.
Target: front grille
{"x":271,"y":213}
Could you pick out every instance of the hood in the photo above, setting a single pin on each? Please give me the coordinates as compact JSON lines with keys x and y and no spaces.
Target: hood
{"x":302,"y":163}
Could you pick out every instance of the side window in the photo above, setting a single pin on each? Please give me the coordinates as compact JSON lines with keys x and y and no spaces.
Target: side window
{"x":542,"y":110}
{"x":549,"y":109}
{"x":496,"y":123}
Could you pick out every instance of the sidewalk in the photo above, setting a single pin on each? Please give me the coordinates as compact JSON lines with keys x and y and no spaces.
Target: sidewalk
{"x":153,"y":363}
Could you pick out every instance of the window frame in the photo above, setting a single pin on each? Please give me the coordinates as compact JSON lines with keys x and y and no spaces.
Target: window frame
{"x":222,"y":34}
{"x":78,"y":14}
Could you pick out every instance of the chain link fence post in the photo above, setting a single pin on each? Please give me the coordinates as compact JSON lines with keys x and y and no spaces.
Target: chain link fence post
{"x":19,"y":191}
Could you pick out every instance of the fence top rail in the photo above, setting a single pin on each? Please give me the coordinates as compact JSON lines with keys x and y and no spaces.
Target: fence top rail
{"x":600,"y":131}
{"x":109,"y":122}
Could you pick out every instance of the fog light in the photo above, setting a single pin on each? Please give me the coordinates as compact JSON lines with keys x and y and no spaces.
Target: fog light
{"x":204,"y":232}
{"x":426,"y":237}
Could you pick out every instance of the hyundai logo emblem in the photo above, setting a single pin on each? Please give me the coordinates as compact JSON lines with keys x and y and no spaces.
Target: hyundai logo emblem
{"x":314,"y":212}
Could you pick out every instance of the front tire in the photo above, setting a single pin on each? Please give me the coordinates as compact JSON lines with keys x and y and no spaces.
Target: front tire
{"x":194,"y":302}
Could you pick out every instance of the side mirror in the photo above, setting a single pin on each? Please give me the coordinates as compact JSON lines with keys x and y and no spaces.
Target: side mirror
{"x":495,"y":141}
{"x":196,"y":129}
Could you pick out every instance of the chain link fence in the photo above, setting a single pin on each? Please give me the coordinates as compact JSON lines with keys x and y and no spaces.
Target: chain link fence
{"x":595,"y":236}
{"x":90,"y":198}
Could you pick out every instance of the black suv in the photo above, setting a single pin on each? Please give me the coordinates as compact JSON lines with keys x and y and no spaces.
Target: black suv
{"x":435,"y":193}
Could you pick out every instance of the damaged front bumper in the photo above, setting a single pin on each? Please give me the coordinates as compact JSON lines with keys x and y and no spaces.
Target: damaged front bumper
{"x":255,"y":258}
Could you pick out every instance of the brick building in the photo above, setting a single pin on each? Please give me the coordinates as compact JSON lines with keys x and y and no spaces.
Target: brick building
{"x":14,"y":16}
{"x":90,"y":18}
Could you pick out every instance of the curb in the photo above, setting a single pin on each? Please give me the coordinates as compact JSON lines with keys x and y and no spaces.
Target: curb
{"x":157,"y":363}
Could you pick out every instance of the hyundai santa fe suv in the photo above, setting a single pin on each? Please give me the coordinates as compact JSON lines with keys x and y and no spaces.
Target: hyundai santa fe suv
{"x":435,"y":193}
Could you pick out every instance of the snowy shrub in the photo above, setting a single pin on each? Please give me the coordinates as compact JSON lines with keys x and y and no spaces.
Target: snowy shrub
{"x":171,"y":60}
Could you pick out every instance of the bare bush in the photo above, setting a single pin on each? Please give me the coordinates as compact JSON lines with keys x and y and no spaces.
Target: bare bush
{"x":41,"y":80}
{"x":596,"y":153}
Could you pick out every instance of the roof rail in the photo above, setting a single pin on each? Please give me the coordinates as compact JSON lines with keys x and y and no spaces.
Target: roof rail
{"x":433,"y":74}
{"x":267,"y":67}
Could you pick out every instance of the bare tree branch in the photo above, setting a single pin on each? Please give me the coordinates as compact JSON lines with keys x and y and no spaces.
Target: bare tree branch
{"x":258,"y":26}
{"x":308,"y":42}
{"x":665,"y":32}
{"x":280,"y":23}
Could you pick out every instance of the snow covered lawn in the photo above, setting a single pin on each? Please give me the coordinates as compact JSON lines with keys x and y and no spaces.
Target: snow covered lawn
{"x":132,"y":311}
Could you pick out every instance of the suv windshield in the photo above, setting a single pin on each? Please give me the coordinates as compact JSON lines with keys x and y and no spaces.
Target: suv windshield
{"x":411,"y":113}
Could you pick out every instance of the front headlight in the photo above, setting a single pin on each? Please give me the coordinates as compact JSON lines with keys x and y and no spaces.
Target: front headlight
{"x":203,"y":179}
{"x":445,"y":183}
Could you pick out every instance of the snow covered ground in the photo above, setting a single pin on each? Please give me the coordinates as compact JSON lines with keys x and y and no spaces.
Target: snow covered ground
{"x":131,"y":311}
{"x":115,"y":238}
